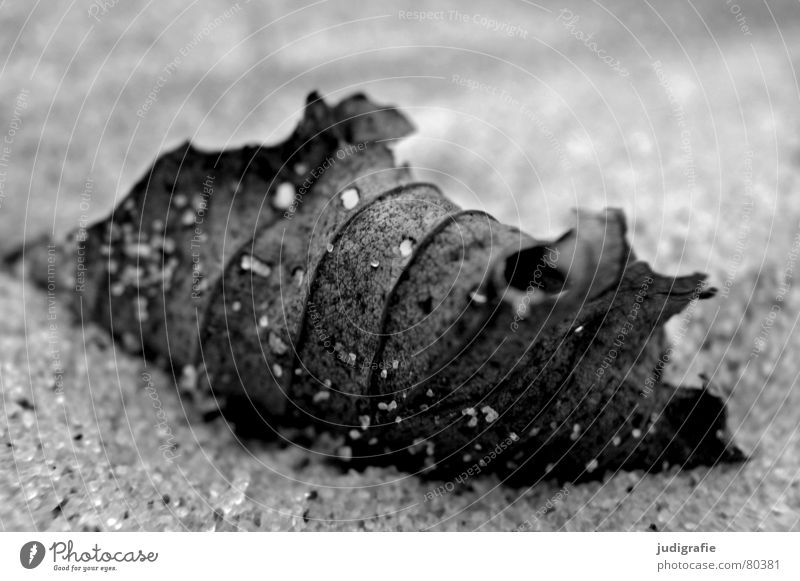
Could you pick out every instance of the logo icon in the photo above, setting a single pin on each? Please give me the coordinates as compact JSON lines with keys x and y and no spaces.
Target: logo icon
{"x":31,"y":554}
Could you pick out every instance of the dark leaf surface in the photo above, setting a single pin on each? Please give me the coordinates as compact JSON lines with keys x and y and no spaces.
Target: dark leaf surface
{"x":317,"y":284}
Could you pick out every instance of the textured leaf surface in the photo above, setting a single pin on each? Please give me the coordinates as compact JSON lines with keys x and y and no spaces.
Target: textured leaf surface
{"x":317,"y":284}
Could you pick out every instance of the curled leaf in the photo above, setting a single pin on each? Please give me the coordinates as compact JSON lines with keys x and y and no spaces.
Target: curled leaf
{"x":316,"y":283}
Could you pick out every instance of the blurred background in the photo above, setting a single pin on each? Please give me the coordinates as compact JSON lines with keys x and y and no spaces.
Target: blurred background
{"x":685,"y":115}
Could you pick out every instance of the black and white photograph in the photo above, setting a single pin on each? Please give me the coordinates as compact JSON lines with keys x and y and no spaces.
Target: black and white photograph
{"x":399,"y":267}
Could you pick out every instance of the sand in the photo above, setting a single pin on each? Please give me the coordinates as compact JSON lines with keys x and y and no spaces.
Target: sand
{"x":698,"y":144}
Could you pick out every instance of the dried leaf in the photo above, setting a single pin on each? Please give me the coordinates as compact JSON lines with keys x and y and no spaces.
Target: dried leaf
{"x":316,"y":283}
